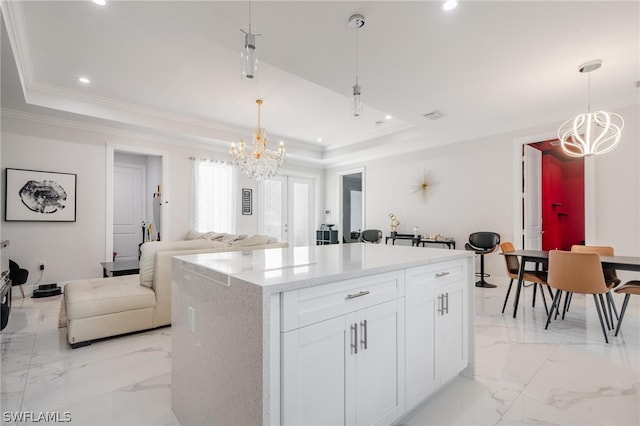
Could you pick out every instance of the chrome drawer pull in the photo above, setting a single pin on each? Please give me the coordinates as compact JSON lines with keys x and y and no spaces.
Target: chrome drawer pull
{"x":441,"y":304}
{"x":353,"y":296}
{"x":442,"y":274}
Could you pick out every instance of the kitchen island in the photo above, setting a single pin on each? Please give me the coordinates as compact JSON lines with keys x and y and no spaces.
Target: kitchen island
{"x":334,"y":334}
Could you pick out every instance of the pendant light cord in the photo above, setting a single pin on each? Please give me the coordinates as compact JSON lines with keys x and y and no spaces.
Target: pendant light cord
{"x":589,"y":94}
{"x":249,"y":16}
{"x":357,"y":29}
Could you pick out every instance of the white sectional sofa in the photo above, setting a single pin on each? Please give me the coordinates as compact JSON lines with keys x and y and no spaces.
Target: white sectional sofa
{"x":104,"y":307}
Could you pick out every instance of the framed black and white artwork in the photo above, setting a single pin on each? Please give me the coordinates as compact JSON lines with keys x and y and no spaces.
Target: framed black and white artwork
{"x":38,"y":196}
{"x":247,"y":201}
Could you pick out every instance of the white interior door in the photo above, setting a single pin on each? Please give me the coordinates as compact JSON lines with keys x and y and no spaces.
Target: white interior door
{"x":287,"y":209}
{"x":532,"y":198}
{"x":128,"y":210}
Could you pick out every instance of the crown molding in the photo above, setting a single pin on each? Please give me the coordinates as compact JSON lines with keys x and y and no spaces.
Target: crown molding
{"x":15,"y":25}
{"x":182,"y":141}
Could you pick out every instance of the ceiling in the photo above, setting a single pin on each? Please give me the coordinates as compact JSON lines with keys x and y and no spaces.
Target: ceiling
{"x":173,"y":68}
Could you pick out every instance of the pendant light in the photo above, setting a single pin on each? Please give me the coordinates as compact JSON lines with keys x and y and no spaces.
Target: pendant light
{"x":593,"y":133}
{"x":356,"y":22}
{"x":249,"y":60}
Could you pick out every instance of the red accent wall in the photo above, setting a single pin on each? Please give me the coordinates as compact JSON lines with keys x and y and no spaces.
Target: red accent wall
{"x":562,"y":202}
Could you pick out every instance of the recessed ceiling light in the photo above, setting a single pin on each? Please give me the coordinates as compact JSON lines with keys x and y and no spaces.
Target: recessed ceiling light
{"x":319,"y":139}
{"x":100,"y":2}
{"x":450,"y":5}
{"x":387,"y":117}
{"x":84,"y":80}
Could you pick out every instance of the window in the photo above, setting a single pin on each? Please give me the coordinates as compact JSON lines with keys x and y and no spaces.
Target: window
{"x":214,"y":196}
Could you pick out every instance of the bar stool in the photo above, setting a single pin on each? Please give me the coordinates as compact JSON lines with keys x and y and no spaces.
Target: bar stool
{"x":483,"y":243}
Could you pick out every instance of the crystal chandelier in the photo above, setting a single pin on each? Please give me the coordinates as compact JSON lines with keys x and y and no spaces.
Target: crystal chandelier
{"x":260,"y":163}
{"x":592,"y":133}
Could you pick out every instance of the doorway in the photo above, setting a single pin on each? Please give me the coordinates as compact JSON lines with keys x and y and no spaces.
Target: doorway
{"x":136,"y":201}
{"x":352,"y":202}
{"x":557,"y":206}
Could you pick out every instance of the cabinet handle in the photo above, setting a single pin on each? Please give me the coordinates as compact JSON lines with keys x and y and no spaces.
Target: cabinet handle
{"x":442,"y":274}
{"x":446,"y":308}
{"x":353,"y":296}
{"x":363,"y":324}
{"x":440,"y":305}
{"x":354,"y":338}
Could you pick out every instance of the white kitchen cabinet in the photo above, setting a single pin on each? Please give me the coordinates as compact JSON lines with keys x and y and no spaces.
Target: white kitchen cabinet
{"x":285,"y":325}
{"x":436,"y":327}
{"x":345,"y":370}
{"x":451,"y":330}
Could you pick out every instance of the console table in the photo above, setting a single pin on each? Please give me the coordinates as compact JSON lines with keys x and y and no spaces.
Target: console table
{"x":393,"y":238}
{"x":417,"y":241}
{"x":120,"y":267}
{"x":449,"y":242}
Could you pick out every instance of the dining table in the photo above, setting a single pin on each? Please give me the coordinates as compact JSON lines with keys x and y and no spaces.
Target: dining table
{"x":626,"y":263}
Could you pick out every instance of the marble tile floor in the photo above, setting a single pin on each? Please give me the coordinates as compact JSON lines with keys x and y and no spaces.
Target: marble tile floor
{"x":524,"y":375}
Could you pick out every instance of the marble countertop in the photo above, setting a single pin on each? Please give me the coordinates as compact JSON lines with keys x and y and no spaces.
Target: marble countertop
{"x":283,"y":269}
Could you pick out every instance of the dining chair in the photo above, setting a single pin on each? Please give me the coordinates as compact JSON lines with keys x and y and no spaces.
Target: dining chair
{"x":610,"y":277}
{"x":629,"y":288}
{"x":577,"y":273}
{"x":538,"y":278}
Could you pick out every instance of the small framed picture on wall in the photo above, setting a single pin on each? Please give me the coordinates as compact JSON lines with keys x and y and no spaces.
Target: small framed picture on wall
{"x":247,"y":201}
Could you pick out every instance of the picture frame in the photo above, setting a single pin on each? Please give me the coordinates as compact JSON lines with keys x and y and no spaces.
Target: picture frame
{"x":247,"y":201}
{"x":39,"y":196}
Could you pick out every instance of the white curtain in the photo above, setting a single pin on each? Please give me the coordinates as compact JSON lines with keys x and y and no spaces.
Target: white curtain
{"x":213,"y":193}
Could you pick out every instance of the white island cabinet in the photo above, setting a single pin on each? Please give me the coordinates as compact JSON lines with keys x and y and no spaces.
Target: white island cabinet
{"x":348,"y":334}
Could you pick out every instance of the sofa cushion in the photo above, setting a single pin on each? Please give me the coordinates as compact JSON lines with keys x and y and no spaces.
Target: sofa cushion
{"x":254,"y":240}
{"x":101,"y":296}
{"x":149,"y":250}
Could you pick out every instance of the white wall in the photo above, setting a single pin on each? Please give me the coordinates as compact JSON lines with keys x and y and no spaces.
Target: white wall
{"x":474,"y":190}
{"x":75,"y":250}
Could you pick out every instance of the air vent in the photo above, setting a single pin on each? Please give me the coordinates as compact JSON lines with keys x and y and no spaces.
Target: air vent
{"x":433,"y":115}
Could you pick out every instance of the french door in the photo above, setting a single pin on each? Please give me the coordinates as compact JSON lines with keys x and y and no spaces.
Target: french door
{"x":532,"y":198}
{"x":288,"y":209}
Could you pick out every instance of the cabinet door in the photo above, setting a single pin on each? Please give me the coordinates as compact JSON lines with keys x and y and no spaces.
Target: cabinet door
{"x":451,"y":331}
{"x":420,"y":345}
{"x":379,"y":373}
{"x":314,"y":360}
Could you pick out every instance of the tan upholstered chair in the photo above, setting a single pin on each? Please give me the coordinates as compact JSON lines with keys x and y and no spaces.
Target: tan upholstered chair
{"x":577,"y":273}
{"x":538,"y":278}
{"x":610,"y":276}
{"x":632,"y":287}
